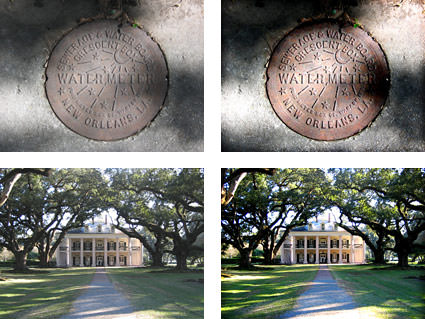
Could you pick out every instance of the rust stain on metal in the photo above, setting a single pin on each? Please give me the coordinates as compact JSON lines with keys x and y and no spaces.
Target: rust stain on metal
{"x":327,"y":82}
{"x":105,"y":81}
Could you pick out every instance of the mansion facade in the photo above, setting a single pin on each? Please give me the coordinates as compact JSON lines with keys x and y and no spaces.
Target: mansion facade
{"x":98,"y":244}
{"x":322,"y":243}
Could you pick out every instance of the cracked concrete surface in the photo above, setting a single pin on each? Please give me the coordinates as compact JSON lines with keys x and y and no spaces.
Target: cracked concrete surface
{"x":30,"y":29}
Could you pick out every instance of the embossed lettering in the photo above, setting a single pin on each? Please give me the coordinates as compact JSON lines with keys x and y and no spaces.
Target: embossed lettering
{"x":73,"y":111}
{"x":296,"y":113}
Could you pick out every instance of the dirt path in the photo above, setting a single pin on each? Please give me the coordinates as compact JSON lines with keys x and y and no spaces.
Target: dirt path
{"x":101,"y":301}
{"x":324,"y":299}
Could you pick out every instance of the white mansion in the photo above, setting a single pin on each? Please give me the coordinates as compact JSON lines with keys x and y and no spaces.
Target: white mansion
{"x":322,"y":242}
{"x":98,"y":244}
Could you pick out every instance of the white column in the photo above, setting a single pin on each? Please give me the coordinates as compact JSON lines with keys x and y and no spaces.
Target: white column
{"x":141,"y":258}
{"x":293,"y":252}
{"x":117,"y":251}
{"x":105,"y":254}
{"x":364,"y":251}
{"x":129,"y":251}
{"x":282,"y":253}
{"x":317,"y":249}
{"x":340,"y":250}
{"x":57,"y":254}
{"x":351,"y":249}
{"x":305,"y":249}
{"x":329,"y":249}
{"x":68,"y":251}
{"x":93,"y":253}
{"x":81,"y":252}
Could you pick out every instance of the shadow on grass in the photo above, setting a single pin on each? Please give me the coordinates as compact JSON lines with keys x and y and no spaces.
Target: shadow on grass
{"x":165,"y":293}
{"x":40,"y":293}
{"x":384,"y":288}
{"x":175,"y":271}
{"x":26,"y":272}
{"x":265,"y":293}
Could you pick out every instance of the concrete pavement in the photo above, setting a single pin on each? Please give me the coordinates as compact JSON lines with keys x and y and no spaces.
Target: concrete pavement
{"x":101,"y":301}
{"x":324,"y":299}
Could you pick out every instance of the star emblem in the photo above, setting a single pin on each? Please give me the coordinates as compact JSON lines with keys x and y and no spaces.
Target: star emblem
{"x":91,"y":91}
{"x":104,"y":105}
{"x":345,"y":92}
{"x":105,"y":69}
{"x":124,"y":91}
{"x":71,"y":90}
{"x":61,"y":91}
{"x":325,"y":105}
{"x":96,"y":56}
{"x":71,"y":67}
{"x":282,"y":91}
{"x":292,"y":67}
{"x":317,"y":56}
{"x":312,"y":91}
{"x":65,"y":102}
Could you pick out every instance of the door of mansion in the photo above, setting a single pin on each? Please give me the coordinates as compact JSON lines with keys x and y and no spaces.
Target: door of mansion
{"x":99,"y":261}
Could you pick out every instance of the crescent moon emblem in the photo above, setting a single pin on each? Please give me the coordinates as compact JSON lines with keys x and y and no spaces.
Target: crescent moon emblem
{"x":339,"y":58}
{"x":117,"y":58}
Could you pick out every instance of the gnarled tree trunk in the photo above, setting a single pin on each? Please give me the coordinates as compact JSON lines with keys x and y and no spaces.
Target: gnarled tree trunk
{"x":378,"y":256}
{"x":181,"y":257}
{"x":157,"y":258}
{"x":20,"y":260}
{"x":44,"y":258}
{"x":245,"y":261}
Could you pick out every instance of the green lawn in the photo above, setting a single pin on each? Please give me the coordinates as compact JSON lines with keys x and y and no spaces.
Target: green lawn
{"x":46,"y":293}
{"x":264,"y":293}
{"x":384,"y":291}
{"x":161,"y":293}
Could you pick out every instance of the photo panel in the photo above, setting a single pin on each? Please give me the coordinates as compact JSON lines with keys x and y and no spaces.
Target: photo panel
{"x":109,"y":242}
{"x":326,"y":242}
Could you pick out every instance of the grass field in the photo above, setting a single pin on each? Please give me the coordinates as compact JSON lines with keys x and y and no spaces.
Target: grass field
{"x":264,"y":293}
{"x":384,"y":291}
{"x":46,"y":293}
{"x":161,"y":293}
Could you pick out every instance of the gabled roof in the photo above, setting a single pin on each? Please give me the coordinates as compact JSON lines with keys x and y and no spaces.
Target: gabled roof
{"x":93,"y":228}
{"x":317,"y":226}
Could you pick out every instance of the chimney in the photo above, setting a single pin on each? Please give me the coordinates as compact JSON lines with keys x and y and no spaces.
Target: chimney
{"x":106,"y":219}
{"x":92,"y":219}
{"x":329,"y":217}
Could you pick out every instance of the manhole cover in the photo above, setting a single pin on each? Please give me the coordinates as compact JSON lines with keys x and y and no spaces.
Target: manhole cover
{"x":106,"y":81}
{"x":327,"y":82}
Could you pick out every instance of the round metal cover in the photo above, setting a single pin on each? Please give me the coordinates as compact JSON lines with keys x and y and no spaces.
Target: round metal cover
{"x":327,"y":82}
{"x":106,"y":81}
